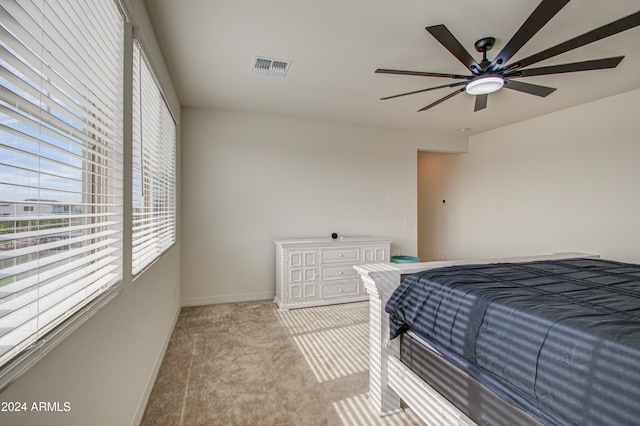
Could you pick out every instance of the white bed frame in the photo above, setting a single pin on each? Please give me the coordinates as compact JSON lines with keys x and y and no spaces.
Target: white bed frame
{"x":390,"y":381}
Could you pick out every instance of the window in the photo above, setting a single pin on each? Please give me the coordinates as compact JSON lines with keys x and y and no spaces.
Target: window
{"x":61,"y":188}
{"x":154,"y":159}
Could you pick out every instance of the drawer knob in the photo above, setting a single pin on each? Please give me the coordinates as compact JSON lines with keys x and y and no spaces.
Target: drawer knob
{"x":341,"y":255}
{"x":340,"y":273}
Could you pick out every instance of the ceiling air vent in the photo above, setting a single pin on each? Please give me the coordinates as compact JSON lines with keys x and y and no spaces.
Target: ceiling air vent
{"x":269,"y":66}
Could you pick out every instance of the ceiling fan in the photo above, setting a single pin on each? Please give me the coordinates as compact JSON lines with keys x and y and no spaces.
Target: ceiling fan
{"x":488,"y":76}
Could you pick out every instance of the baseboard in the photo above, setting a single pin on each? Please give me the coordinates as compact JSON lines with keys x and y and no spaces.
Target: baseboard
{"x":228,"y":298}
{"x":154,"y":372}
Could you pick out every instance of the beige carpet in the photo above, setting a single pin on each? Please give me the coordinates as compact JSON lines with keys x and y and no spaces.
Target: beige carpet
{"x":251,"y":364}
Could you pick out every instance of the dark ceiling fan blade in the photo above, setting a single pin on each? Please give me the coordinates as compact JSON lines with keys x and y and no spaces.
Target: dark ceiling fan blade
{"x":605,"y":31}
{"x":596,"y":64}
{"x":444,"y":36}
{"x":450,"y":95}
{"x":546,"y":10}
{"x":421,"y":73}
{"x":532,"y":89}
{"x":425,"y":90}
{"x":481,"y":102}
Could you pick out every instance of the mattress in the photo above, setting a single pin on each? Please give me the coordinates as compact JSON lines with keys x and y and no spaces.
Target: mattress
{"x":565,"y":333}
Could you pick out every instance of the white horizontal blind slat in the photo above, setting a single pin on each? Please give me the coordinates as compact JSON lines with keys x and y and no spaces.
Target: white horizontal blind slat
{"x":154,"y":139}
{"x":20,"y":310}
{"x":61,"y":164}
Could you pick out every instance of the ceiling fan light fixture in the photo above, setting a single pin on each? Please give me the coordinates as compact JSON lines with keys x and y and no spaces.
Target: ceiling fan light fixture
{"x":484,"y":85}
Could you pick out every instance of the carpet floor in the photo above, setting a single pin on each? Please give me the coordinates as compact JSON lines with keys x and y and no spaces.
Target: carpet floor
{"x":251,"y":364}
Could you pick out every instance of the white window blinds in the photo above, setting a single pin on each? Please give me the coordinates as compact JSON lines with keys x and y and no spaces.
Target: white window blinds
{"x":154,"y":165}
{"x":61,"y":108}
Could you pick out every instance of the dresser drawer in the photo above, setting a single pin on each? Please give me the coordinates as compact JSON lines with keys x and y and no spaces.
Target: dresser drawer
{"x":375,"y":254}
{"x":338,"y":273}
{"x":340,"y":290}
{"x":339,"y":255}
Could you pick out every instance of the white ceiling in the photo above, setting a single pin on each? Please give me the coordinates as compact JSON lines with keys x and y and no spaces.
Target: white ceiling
{"x":336,"y":45}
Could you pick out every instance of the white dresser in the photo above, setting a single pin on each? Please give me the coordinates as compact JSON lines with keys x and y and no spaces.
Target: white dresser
{"x":319,"y":271}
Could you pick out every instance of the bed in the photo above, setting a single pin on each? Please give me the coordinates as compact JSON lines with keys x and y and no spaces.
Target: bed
{"x":541,"y":340}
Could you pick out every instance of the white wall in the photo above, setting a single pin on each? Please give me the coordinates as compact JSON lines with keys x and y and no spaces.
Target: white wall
{"x":249,"y":179}
{"x":562,"y":182}
{"x":106,"y":368}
